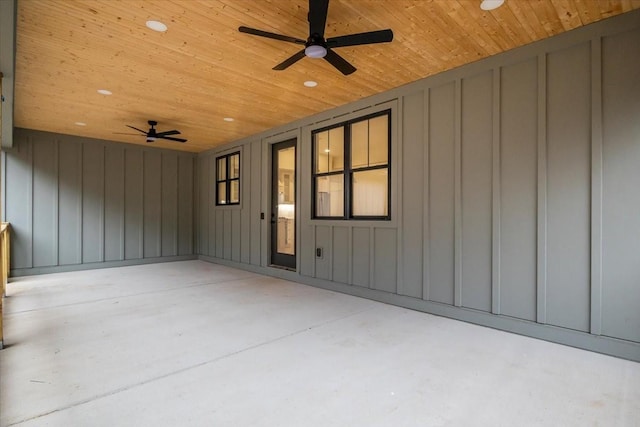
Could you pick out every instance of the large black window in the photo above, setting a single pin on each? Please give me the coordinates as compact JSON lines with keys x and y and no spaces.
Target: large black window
{"x":228,"y":179}
{"x":351,"y":169}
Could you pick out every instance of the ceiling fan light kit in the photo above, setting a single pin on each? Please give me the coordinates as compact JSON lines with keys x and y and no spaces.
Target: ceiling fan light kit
{"x":491,"y":4}
{"x":316,"y":46}
{"x":315,"y":51}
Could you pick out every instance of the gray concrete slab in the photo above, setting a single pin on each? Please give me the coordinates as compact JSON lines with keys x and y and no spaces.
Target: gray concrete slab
{"x":196,"y":344}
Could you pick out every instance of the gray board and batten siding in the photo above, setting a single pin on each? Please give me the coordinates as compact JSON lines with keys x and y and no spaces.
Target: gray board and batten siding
{"x":514,"y":199}
{"x":75,"y":203}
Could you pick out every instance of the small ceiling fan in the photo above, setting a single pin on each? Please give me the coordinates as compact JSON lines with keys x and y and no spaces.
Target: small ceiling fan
{"x":316,"y":46}
{"x":152,"y":134}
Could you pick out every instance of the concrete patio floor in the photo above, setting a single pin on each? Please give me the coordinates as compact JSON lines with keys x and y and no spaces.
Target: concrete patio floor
{"x":197,"y":344}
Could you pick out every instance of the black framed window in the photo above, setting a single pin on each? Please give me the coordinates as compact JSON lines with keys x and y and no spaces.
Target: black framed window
{"x":228,"y":179}
{"x":351,"y":169}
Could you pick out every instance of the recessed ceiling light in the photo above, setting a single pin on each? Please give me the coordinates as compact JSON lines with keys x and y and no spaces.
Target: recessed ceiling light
{"x":491,"y":4}
{"x":81,"y":124}
{"x":156,"y":26}
{"x":104,"y":92}
{"x":310,"y":83}
{"x":228,"y":119}
{"x":326,"y":150}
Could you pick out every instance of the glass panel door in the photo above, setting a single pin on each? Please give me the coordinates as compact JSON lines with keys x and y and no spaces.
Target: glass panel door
{"x":283,"y":204}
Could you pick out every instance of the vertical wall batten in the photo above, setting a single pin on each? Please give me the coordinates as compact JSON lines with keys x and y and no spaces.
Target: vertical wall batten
{"x":596,"y":186}
{"x":541,"y":238}
{"x":495,"y":193}
{"x":426,"y":205}
{"x":457,"y":194}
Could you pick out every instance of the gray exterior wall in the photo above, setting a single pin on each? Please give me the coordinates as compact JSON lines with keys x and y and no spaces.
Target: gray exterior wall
{"x":514,"y":195}
{"x":75,"y":203}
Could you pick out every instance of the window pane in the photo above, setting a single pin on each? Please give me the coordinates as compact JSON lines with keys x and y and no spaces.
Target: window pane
{"x":336,"y":150}
{"x":330,"y":195}
{"x":286,"y":229}
{"x":234,"y":197}
{"x":370,"y":193}
{"x":321,"y":155}
{"x":222,"y":193}
{"x":359,"y":144}
{"x":379,"y":141}
{"x":222,"y":168}
{"x":234,"y":166}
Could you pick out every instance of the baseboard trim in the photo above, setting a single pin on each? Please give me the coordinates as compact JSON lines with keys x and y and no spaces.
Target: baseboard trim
{"x":600,"y":344}
{"x":19,"y":272}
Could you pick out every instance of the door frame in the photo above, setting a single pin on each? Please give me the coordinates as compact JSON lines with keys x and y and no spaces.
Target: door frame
{"x":274,"y":259}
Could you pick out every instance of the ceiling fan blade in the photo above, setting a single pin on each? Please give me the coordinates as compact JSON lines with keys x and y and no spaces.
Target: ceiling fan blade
{"x":339,"y":62}
{"x":382,"y":36}
{"x":168,"y":132}
{"x":318,"y":10}
{"x":290,"y":61}
{"x":139,"y":130}
{"x":123,"y":133}
{"x":172,"y":139}
{"x":269,"y":35}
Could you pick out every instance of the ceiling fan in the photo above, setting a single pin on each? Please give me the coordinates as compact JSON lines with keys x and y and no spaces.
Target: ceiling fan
{"x":316,"y":46}
{"x":152,"y":134}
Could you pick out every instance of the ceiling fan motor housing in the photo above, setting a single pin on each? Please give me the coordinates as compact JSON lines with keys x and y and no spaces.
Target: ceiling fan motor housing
{"x":151,"y":135}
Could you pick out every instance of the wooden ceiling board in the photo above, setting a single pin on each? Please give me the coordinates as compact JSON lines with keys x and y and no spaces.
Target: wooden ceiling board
{"x":202,"y":69}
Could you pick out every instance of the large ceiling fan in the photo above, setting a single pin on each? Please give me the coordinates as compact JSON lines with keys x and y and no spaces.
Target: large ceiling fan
{"x":152,"y":134}
{"x":316,"y":46}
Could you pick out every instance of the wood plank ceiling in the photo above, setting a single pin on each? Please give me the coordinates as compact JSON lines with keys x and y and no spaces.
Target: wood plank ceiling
{"x":202,"y":69}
